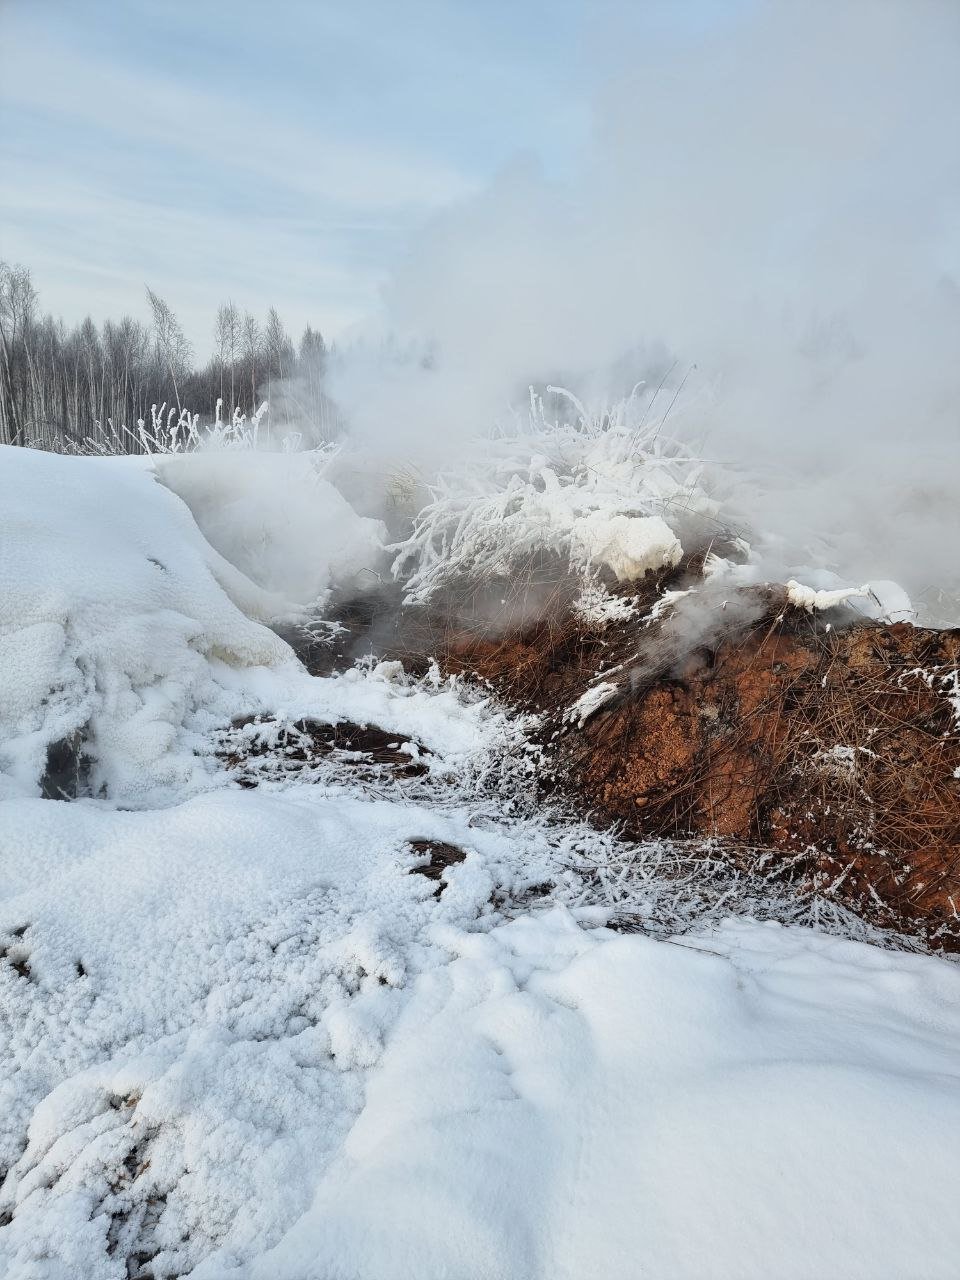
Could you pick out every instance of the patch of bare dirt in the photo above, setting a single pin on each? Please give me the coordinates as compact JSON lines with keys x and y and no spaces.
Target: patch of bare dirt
{"x":256,"y":748}
{"x":437,"y":856}
{"x":829,"y":740}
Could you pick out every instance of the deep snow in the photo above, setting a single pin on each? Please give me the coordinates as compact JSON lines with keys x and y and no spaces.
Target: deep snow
{"x":240,"y":1037}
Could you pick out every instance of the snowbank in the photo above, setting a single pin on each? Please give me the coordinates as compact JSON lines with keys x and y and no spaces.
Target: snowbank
{"x":556,"y":1103}
{"x":128,"y":640}
{"x":277,"y":518}
{"x":112,"y":609}
{"x":200,"y":991}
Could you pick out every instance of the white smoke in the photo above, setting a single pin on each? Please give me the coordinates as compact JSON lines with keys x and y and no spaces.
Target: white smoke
{"x":767,"y":213}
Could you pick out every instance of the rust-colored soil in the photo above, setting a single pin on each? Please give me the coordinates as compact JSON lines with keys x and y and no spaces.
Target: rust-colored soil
{"x":836,"y":745}
{"x":833,"y":745}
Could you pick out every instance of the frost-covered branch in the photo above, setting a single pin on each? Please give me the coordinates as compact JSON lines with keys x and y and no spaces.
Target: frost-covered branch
{"x":607,"y":490}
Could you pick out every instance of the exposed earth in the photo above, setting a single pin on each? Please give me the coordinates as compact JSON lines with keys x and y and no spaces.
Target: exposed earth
{"x":824,"y":743}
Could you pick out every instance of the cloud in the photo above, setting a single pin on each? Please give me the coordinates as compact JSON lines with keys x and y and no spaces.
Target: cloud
{"x":99,"y":250}
{"x":119,"y":171}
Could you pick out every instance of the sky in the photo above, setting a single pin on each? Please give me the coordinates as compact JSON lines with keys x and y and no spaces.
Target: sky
{"x":275,"y":153}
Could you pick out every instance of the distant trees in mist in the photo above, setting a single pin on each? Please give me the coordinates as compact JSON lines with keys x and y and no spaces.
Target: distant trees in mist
{"x":61,"y":387}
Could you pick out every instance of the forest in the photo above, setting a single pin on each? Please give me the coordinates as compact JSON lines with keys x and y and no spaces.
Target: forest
{"x":86,"y":388}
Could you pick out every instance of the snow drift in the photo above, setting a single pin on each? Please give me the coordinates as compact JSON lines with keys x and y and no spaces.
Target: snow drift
{"x":114,"y":611}
{"x":122,"y":628}
{"x":239,"y":1038}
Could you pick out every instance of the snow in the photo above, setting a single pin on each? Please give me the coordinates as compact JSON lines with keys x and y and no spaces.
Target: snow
{"x":589,"y":702}
{"x":286,"y":1057}
{"x":277,"y":518}
{"x":813,"y":601}
{"x":113,"y":609}
{"x":665,"y":602}
{"x":884,"y":600}
{"x":595,"y":606}
{"x":121,"y":624}
{"x":241,"y":1037}
{"x":461,"y":728}
{"x":591,"y":1105}
{"x":630,"y":546}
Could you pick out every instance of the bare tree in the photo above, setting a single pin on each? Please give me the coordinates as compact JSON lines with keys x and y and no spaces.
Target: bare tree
{"x":171,"y":342}
{"x":18,"y":300}
{"x":279,"y":349}
{"x":228,"y":343}
{"x":252,"y":348}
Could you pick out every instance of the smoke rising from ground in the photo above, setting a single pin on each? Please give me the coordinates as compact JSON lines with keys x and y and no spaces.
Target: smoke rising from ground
{"x":768,"y":211}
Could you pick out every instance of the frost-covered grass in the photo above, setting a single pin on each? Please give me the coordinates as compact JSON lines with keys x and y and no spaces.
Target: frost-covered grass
{"x":605,"y":490}
{"x":177,"y":431}
{"x":240,"y":1036}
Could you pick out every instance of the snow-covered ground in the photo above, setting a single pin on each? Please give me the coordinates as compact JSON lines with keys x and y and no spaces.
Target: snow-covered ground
{"x":240,"y":1036}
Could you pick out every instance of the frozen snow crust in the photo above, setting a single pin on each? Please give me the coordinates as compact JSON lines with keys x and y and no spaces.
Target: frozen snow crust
{"x":241,"y":1037}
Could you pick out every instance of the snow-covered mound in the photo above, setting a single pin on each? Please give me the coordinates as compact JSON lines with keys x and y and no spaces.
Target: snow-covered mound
{"x":277,"y":517}
{"x":113,"y":608}
{"x":556,"y":1103}
{"x":126,"y":640}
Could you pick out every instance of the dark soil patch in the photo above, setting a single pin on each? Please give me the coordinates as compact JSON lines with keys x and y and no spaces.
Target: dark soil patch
{"x":308,"y":741}
{"x":66,"y":775}
{"x":440,"y":855}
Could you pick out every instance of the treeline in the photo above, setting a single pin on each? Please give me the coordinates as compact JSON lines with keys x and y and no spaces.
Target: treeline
{"x":61,"y":387}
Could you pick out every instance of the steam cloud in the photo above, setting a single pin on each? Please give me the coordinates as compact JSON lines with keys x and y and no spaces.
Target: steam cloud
{"x":768,"y":209}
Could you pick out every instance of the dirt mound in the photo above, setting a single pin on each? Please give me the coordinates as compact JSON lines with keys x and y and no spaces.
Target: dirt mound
{"x":820,"y":738}
{"x":768,"y":728}
{"x":841,"y":748}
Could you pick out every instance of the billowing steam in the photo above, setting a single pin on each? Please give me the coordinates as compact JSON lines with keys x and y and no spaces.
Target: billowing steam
{"x":765,"y":222}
